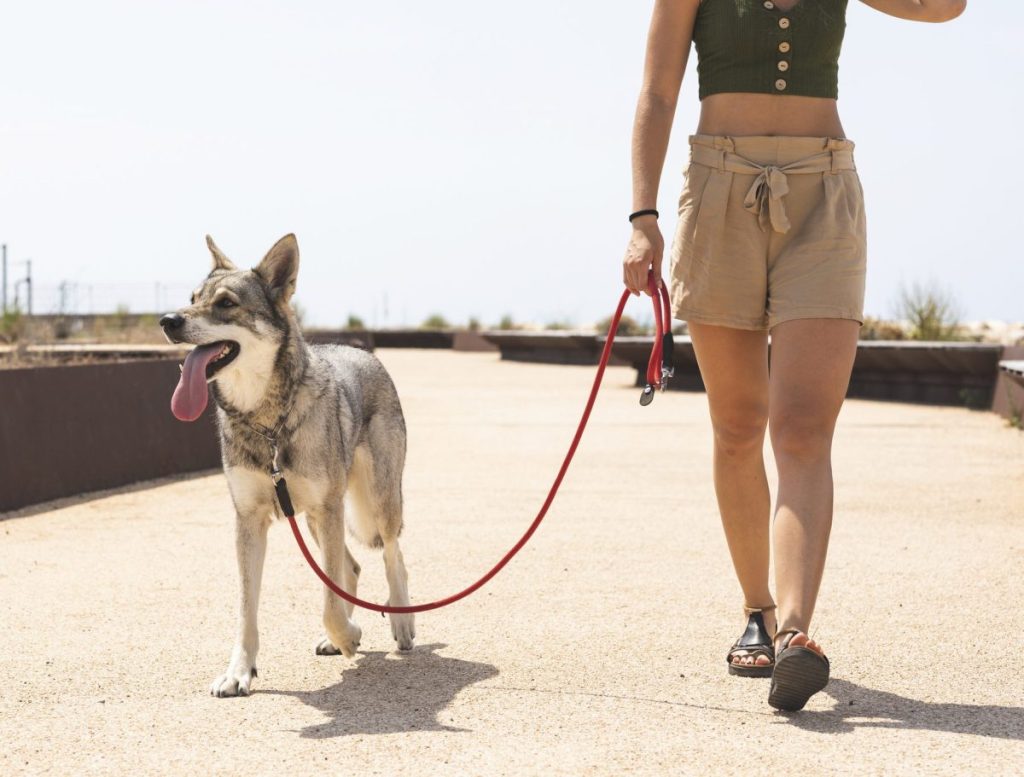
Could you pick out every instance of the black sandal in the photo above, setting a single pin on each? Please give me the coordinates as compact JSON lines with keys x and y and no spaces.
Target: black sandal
{"x":799,"y":674}
{"x":755,"y":642}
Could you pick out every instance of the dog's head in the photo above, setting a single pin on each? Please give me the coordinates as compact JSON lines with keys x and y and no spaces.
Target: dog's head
{"x":238,"y":320}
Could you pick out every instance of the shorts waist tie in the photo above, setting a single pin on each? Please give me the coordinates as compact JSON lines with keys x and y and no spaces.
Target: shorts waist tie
{"x":764,"y":197}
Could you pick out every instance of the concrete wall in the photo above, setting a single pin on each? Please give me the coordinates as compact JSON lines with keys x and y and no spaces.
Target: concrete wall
{"x":74,"y":429}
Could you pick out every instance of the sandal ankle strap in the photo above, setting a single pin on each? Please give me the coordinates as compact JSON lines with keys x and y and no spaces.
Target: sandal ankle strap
{"x":747,"y":610}
{"x":781,"y":632}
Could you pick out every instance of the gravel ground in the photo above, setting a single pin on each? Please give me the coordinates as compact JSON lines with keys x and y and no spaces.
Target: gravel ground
{"x":599,"y":650}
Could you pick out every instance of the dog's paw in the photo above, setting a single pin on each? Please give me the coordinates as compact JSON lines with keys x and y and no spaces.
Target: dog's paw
{"x":326,"y":648}
{"x":345,"y":641}
{"x":233,"y":683}
{"x":403,"y":629}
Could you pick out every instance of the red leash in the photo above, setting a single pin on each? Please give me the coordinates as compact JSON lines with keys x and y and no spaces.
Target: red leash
{"x":659,"y":369}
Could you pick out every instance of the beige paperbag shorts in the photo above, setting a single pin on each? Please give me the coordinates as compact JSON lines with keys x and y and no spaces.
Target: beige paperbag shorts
{"x":771,"y":228}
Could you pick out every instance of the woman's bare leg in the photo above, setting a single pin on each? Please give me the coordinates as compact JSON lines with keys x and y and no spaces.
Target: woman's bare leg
{"x":811,"y":361}
{"x":734,"y":366}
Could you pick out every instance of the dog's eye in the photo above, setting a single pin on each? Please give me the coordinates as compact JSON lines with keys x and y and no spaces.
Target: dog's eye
{"x":224,"y":302}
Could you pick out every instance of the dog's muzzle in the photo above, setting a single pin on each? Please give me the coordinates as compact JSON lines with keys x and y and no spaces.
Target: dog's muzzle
{"x":172,"y":324}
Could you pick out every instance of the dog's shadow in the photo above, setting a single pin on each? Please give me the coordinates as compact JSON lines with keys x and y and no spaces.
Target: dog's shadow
{"x":387,"y":693}
{"x":857,"y":706}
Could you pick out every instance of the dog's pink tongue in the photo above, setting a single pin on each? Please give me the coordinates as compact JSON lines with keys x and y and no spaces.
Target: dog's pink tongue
{"x":189,"y":400}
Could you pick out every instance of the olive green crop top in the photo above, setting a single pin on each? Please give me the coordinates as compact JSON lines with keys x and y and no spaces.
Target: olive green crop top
{"x":754,"y":46}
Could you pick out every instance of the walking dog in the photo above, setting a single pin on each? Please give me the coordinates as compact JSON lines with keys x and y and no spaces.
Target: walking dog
{"x":328,"y":416}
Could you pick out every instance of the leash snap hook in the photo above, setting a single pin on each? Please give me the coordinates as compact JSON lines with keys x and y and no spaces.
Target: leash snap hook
{"x":275,"y":470}
{"x":666,"y":373}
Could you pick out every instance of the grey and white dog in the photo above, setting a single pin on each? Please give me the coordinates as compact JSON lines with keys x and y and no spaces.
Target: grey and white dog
{"x":334,"y":415}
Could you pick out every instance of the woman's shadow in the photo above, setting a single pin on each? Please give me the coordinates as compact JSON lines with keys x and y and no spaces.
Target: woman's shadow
{"x":385,"y":693}
{"x":861,"y":707}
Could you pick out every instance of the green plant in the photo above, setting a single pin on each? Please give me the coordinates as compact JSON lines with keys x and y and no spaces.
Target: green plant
{"x":974,"y":398}
{"x":474,"y":324}
{"x":931,"y":311}
{"x":558,"y":326}
{"x":12,"y":325}
{"x":354,"y":322}
{"x":628,"y":327}
{"x":435,"y":321}
{"x":880,"y":329}
{"x":507,"y":322}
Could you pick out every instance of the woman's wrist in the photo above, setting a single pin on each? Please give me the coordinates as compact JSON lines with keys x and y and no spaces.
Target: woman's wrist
{"x":643,"y":213}
{"x":644,"y":223}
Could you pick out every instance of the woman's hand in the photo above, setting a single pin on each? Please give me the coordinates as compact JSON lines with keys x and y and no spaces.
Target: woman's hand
{"x":643,"y":254}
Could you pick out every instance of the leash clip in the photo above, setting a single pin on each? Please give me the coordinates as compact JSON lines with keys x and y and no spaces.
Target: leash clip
{"x":666,"y":373}
{"x":275,"y":470}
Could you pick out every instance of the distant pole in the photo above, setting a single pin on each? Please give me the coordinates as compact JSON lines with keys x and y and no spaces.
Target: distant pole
{"x":3,"y":250}
{"x":28,"y":281}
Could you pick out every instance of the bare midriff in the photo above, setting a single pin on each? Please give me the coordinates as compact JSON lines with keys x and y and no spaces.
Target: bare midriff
{"x":749,"y":113}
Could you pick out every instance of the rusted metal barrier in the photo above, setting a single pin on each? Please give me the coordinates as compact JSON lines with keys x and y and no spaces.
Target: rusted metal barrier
{"x":1008,"y":397}
{"x":552,"y":347}
{"x":941,"y":373}
{"x":73,"y":429}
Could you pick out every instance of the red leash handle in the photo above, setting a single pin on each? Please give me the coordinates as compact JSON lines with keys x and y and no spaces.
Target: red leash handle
{"x":663,"y":321}
{"x":663,"y":325}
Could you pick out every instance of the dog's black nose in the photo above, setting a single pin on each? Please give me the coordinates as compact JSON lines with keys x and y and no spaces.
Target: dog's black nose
{"x":172,"y":321}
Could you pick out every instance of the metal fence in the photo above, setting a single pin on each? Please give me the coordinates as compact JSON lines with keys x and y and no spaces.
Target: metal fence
{"x":71,"y":298}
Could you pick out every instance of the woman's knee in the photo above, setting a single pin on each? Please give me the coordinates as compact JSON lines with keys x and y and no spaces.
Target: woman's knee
{"x":739,"y":430}
{"x":801,"y":436}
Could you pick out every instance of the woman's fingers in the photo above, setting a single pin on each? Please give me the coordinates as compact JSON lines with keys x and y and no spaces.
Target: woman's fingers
{"x":638,"y":274}
{"x":643,"y":255}
{"x":656,"y":267}
{"x":634,"y":268}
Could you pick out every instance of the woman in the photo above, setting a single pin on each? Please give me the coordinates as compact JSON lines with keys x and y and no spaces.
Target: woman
{"x":770,"y":239}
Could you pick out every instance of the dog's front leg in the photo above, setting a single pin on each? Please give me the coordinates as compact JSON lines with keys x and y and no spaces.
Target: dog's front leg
{"x":251,"y":548}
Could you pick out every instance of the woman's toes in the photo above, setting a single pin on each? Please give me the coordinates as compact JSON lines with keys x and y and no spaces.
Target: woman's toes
{"x":762,"y":661}
{"x":802,"y":640}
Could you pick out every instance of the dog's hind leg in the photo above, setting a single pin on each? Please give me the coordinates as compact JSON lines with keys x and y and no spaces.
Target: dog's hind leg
{"x":251,"y":547}
{"x":343,"y":634}
{"x":375,"y":486}
{"x":403,"y":625}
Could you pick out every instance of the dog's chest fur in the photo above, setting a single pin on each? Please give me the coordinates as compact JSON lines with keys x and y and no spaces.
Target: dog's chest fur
{"x":325,"y":408}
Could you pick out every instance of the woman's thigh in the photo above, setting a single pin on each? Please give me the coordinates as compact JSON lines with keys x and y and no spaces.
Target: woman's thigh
{"x":734,"y":366}
{"x":811,"y":362}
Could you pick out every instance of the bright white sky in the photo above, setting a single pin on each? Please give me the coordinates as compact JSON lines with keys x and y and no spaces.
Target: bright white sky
{"x":462,"y":157}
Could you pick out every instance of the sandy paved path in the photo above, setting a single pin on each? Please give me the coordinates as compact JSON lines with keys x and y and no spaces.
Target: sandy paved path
{"x":599,"y":651}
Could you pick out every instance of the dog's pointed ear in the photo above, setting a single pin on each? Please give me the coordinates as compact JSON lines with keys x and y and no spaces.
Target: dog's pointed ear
{"x":280,"y":267}
{"x":220,"y":262}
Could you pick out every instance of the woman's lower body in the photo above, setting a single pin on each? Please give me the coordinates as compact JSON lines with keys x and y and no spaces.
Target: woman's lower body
{"x":772,"y":239}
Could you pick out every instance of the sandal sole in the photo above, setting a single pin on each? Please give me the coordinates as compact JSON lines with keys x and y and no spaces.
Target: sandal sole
{"x":799,"y":674}
{"x":751,"y":671}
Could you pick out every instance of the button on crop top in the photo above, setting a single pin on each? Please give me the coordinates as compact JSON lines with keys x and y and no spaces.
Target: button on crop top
{"x":754,"y":46}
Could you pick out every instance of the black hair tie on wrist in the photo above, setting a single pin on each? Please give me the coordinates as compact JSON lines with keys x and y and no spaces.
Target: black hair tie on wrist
{"x":645,"y":212}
